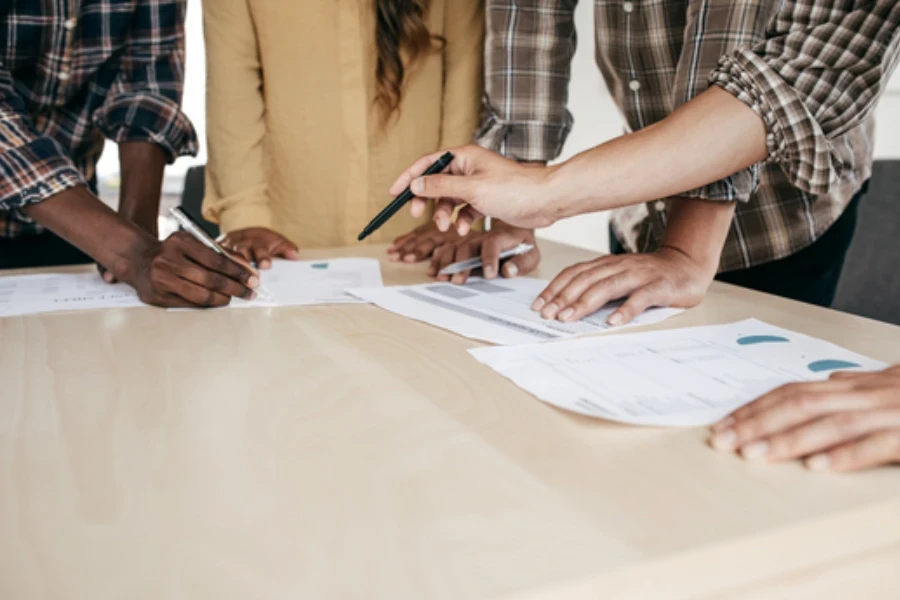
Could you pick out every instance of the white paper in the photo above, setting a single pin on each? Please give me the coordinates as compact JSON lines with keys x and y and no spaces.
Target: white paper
{"x":299,"y":283}
{"x":677,"y":377}
{"x":496,"y":311}
{"x":291,"y":283}
{"x":31,"y":294}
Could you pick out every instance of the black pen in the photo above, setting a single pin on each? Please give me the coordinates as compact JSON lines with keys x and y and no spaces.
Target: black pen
{"x":400,"y":201}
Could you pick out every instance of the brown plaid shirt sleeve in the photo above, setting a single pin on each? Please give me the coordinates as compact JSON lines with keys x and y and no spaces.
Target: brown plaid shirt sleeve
{"x":528,"y":50}
{"x":818,"y":74}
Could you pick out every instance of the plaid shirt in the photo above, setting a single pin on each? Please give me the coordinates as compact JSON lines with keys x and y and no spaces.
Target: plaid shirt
{"x":73,"y":73}
{"x":812,"y":69}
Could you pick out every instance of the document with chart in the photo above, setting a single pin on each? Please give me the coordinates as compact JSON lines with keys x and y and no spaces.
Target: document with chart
{"x":677,"y":377}
{"x":496,"y":311}
{"x":31,"y":294}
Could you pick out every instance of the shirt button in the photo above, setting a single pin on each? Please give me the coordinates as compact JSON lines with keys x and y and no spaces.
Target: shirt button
{"x":660,"y":206}
{"x":63,"y":76}
{"x":635,"y":85}
{"x":69,"y":24}
{"x":628,"y":7}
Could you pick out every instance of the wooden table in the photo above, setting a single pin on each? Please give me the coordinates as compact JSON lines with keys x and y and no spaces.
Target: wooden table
{"x":345,"y":452}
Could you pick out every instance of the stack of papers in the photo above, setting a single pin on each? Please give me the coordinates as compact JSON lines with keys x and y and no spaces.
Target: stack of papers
{"x":497,"y":311}
{"x":677,"y":377}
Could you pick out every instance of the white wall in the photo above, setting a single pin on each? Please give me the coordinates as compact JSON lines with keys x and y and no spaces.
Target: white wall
{"x":596,"y":120}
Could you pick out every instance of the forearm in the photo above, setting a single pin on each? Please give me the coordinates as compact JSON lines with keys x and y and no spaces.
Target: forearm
{"x":699,"y":228}
{"x":80,"y":218}
{"x":142,"y":165}
{"x":707,"y":139}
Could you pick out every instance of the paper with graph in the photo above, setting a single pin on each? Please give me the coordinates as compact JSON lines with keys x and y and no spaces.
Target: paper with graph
{"x":496,"y":311}
{"x":677,"y":377}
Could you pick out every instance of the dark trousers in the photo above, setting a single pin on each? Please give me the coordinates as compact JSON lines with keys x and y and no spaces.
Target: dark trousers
{"x":810,"y":275}
{"x":41,"y":250}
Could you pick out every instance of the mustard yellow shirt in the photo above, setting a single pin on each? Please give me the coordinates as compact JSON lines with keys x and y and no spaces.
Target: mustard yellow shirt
{"x":295,"y":138}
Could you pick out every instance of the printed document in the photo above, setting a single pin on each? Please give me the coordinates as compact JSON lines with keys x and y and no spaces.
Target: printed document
{"x":291,"y":284}
{"x":677,"y":377}
{"x":496,"y":311}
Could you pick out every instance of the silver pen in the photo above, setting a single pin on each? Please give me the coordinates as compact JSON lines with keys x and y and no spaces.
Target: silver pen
{"x":474,"y":263}
{"x":201,"y":236}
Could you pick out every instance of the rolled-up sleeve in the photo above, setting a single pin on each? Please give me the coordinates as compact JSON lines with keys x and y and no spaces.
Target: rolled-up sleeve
{"x":528,"y":54}
{"x":144,"y":102}
{"x":32,"y":167}
{"x":819,"y":74}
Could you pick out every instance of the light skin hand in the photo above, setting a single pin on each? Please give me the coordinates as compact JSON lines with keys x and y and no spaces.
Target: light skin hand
{"x":420,"y":243}
{"x":848,"y":423}
{"x":490,"y":244}
{"x":712,"y":136}
{"x":260,"y":245}
{"x":678,"y":274}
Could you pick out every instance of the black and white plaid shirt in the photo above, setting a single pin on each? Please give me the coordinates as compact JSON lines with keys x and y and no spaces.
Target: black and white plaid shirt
{"x":813,"y":70}
{"x":73,"y":72}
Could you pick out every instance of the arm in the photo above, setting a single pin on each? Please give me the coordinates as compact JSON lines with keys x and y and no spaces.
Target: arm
{"x":236,"y":191}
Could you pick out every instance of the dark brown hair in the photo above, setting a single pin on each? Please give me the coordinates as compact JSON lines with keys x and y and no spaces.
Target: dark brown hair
{"x":400,"y":32}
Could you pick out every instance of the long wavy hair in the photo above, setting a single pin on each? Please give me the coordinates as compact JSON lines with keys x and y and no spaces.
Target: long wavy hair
{"x":400,"y":32}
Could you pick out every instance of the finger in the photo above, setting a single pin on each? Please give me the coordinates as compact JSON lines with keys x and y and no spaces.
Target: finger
{"x":491,"y":247}
{"x":560,"y":282}
{"x":437,"y":258}
{"x":211,"y":281}
{"x":414,"y":171}
{"x":200,"y":254}
{"x":286,"y":249}
{"x":522,"y":264}
{"x":463,"y":252}
{"x":443,"y":214}
{"x":417,"y":207}
{"x":882,"y":448}
{"x":804,"y":406}
{"x":579,"y":285}
{"x":262,"y":257}
{"x":177,"y":283}
{"x":602,"y":292}
{"x":780,"y":394}
{"x":421,"y":251}
{"x":652,"y":294}
{"x":821,"y":434}
{"x":446,"y":258}
{"x":243,"y":250}
{"x":845,"y":375}
{"x":458,"y":187}
{"x":400,"y":241}
{"x":465,"y":219}
{"x":108,"y":277}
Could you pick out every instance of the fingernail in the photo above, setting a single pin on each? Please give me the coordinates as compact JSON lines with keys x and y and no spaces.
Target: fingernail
{"x":725,"y":441}
{"x":723,"y":424}
{"x":615,"y":319}
{"x":566,"y":314}
{"x":818,"y":462}
{"x":511,"y":270}
{"x":253,"y":282}
{"x":409,"y":258}
{"x":489,"y":272}
{"x":550,"y":311}
{"x":417,"y":186}
{"x":538,"y":304}
{"x":393,"y":256}
{"x":755,"y":451}
{"x":253,"y":295}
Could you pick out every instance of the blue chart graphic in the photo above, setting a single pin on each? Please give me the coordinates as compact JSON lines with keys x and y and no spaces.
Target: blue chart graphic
{"x":750,"y":340}
{"x":320,"y":265}
{"x":820,"y":366}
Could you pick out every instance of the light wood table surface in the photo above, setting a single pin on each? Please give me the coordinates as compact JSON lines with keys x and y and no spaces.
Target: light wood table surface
{"x":345,"y":452}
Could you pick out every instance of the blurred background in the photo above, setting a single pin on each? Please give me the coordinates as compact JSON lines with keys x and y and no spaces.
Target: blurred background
{"x":596,"y":120}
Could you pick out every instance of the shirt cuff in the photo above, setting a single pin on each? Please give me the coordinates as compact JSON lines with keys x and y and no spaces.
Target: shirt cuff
{"x":738,"y":187}
{"x":34,"y":172}
{"x":524,"y":140}
{"x":144,"y":117}
{"x":249,"y":209}
{"x":794,"y":139}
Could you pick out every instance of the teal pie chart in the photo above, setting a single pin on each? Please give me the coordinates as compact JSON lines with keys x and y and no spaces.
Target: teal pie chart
{"x":823,"y":366}
{"x":752,"y":340}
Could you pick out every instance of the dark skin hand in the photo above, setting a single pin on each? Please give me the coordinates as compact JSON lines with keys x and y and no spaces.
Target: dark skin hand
{"x":260,"y":245}
{"x":179,"y":272}
{"x":420,"y":243}
{"x":142,"y":165}
{"x":489,"y":245}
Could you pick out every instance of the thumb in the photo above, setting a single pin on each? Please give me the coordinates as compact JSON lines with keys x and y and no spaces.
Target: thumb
{"x":522,"y":264}
{"x":458,"y":187}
